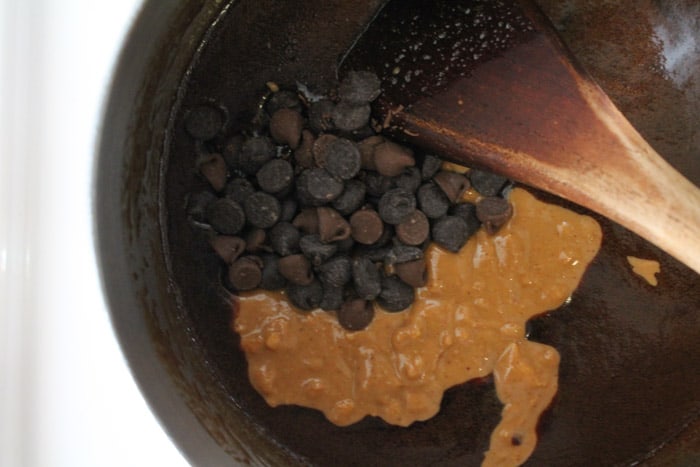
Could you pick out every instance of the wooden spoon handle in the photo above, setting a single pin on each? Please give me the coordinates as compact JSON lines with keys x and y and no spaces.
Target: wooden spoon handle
{"x":647,"y":195}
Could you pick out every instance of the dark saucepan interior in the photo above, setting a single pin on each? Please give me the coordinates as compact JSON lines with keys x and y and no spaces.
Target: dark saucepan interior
{"x":629,"y":377}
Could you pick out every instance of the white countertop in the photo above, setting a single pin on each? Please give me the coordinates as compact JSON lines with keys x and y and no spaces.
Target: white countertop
{"x":66,"y":395}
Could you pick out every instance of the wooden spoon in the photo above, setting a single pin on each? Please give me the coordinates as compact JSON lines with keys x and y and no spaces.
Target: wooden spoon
{"x":488,"y":83}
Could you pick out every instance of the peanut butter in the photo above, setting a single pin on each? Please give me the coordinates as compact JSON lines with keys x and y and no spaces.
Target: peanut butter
{"x":647,"y":269}
{"x":467,"y":322}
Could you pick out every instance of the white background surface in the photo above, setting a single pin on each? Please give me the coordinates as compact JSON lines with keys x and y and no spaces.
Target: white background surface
{"x":66,"y":395}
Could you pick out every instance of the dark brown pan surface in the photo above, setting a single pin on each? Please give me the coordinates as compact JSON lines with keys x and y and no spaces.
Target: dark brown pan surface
{"x":630,"y":371}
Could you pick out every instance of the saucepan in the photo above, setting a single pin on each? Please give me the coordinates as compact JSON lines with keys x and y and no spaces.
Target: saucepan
{"x":629,"y":389}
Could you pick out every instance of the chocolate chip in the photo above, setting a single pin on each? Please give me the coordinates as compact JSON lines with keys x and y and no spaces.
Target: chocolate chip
{"x":271,"y":277}
{"x":493,"y":212}
{"x":307,"y":221}
{"x":317,"y":251}
{"x":396,"y":206}
{"x":342,"y":159}
{"x":283,"y":99}
{"x":332,"y":226}
{"x":296,"y":269}
{"x":336,"y":272}
{"x":366,"y":278}
{"x":467,"y":212}
{"x":213,"y":169}
{"x":226,"y":216}
{"x":303,"y":155}
{"x":452,"y":184}
{"x":255,"y":240}
{"x":262,"y":210}
{"x":361,"y":133}
{"x":351,"y":199}
{"x":359,"y":87}
{"x":332,"y":298}
{"x":376,"y":184}
{"x":431,"y":165}
{"x":227,"y":247}
{"x":346,"y":245}
{"x":355,"y":314}
{"x":432,"y":201}
{"x":320,"y":148}
{"x":238,"y":189}
{"x":395,"y":295}
{"x":275,"y":176}
{"x":390,"y":159}
{"x":348,"y":116}
{"x":255,"y":152}
{"x":286,"y":126}
{"x":288,"y":209}
{"x":487,"y":183}
{"x":373,"y":253}
{"x":197,"y":205}
{"x":284,"y":238}
{"x":305,"y":297}
{"x":387,"y":236}
{"x":316,"y":187}
{"x":321,"y":115}
{"x":414,"y":273}
{"x":414,"y":230}
{"x":204,"y":122}
{"x":367,"y":147}
{"x":366,"y":226}
{"x":451,"y":233}
{"x":245,"y":273}
{"x":409,"y":179}
{"x":402,"y":254}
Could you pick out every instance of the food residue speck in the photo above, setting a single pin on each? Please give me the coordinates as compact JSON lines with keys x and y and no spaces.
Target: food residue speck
{"x":647,"y":269}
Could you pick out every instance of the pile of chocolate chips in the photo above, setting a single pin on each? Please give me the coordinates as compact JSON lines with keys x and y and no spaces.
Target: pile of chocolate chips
{"x":313,"y":201}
